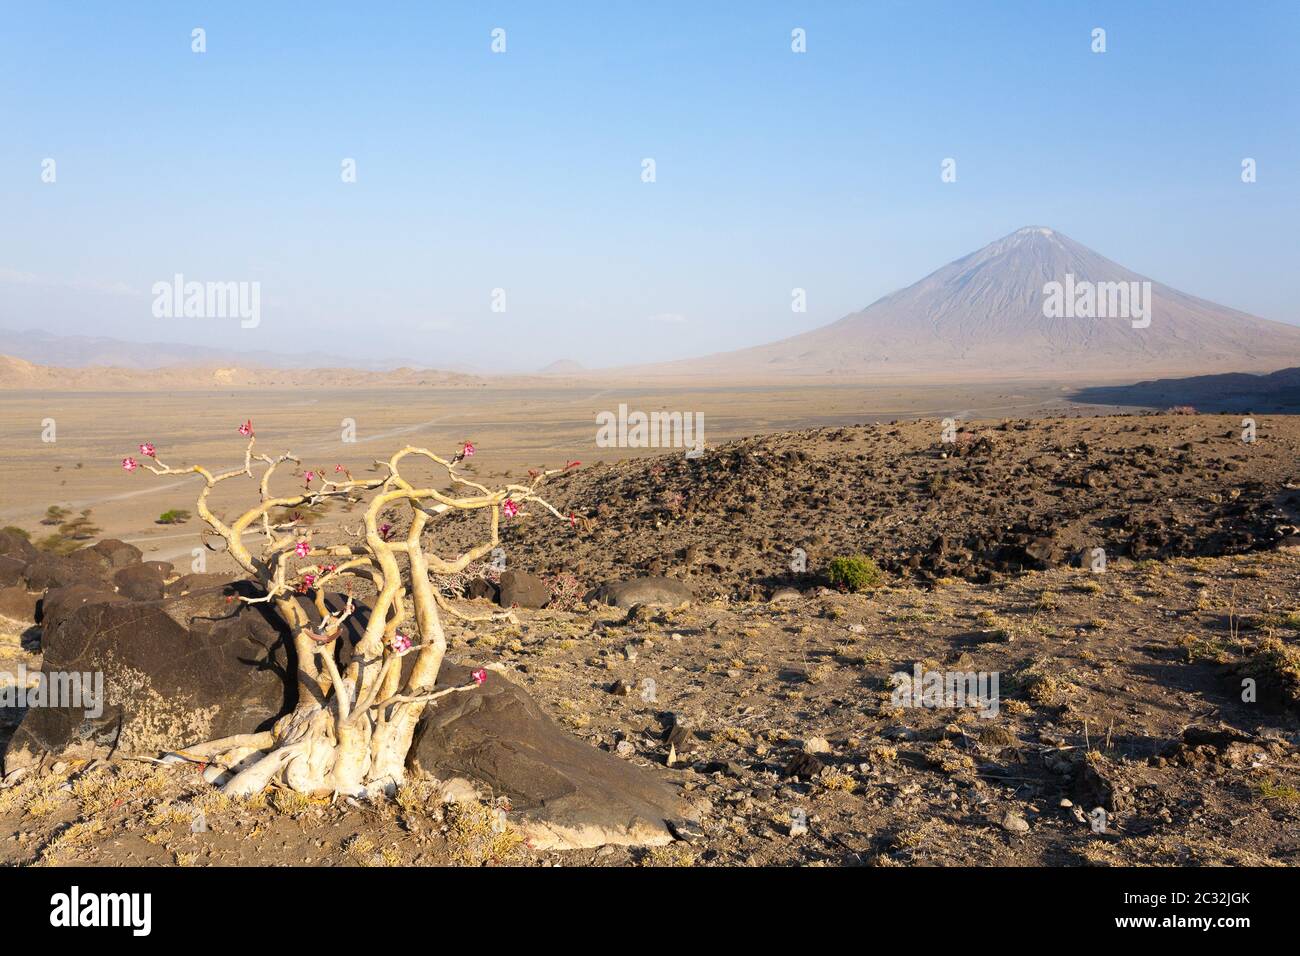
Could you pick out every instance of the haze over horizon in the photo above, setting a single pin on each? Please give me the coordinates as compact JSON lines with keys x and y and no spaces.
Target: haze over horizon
{"x":522,"y":170}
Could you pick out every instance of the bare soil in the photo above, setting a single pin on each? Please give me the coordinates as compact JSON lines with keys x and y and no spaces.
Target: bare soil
{"x":1121,"y":689}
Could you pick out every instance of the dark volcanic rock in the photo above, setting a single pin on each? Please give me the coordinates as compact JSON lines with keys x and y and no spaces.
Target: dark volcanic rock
{"x":119,"y":554}
{"x":52,"y":571}
{"x":521,"y":589}
{"x":142,"y":582}
{"x":197,"y":582}
{"x":1093,"y":789}
{"x":481,"y":588}
{"x":1028,"y":498}
{"x":87,"y":566}
{"x":571,"y":794}
{"x":11,"y":570}
{"x":175,"y":673}
{"x":17,"y":605}
{"x":1044,"y":552}
{"x":662,"y":592}
{"x":16,"y":546}
{"x":804,"y":765}
{"x":59,"y":604}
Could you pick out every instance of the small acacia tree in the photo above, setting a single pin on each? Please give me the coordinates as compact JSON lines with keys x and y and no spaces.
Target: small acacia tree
{"x":351,"y":729}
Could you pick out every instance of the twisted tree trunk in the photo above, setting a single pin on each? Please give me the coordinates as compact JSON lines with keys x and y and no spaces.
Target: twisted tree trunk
{"x":351,"y":731}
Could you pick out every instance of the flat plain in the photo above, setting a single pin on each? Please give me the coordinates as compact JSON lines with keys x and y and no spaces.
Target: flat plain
{"x":514,"y":429}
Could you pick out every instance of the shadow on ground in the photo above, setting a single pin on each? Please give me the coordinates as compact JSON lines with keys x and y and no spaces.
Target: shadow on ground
{"x":1232,"y":392}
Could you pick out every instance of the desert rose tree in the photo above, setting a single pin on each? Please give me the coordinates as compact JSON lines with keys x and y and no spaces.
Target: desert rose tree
{"x":351,"y":728}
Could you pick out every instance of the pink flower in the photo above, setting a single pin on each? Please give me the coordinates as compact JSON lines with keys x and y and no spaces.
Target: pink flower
{"x":308,"y":580}
{"x":246,"y":429}
{"x":130,"y":464}
{"x":329,"y":568}
{"x":148,"y":450}
{"x":302,"y":549}
{"x":400,"y":643}
{"x":479,"y":676}
{"x":509,"y":508}
{"x":467,"y":449}
{"x":337,"y":469}
{"x":573,"y":464}
{"x":310,"y":476}
{"x":384,"y":529}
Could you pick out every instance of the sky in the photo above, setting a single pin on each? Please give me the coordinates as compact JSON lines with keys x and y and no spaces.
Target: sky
{"x":524,"y":170}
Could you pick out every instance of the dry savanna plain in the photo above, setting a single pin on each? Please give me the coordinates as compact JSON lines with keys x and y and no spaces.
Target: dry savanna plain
{"x":1127,"y":575}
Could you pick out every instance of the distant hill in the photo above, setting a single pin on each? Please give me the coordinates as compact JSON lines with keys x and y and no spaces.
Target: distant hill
{"x":16,"y":373}
{"x":563,"y":367}
{"x":77,"y":351}
{"x":983,"y":315}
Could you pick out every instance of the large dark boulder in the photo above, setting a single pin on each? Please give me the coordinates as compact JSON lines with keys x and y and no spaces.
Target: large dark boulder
{"x":1044,"y":552}
{"x":658,"y":591}
{"x":11,"y":570}
{"x":18,"y":605}
{"x":571,"y":794}
{"x":142,"y":582}
{"x":48,"y":570}
{"x":59,"y":604}
{"x":481,"y":589}
{"x":521,"y":589}
{"x":175,"y":673}
{"x":16,"y":546}
{"x":189,"y":583}
{"x":117,"y":553}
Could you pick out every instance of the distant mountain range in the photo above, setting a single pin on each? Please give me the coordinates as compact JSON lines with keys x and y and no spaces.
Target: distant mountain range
{"x":984,"y":315}
{"x":78,"y":351}
{"x":16,"y":373}
{"x":1032,"y":305}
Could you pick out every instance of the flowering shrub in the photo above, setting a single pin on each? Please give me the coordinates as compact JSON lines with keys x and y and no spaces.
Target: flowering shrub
{"x":353,"y":726}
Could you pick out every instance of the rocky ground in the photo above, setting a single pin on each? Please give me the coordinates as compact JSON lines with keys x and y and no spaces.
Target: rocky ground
{"x":1000,"y":498}
{"x":772,"y":713}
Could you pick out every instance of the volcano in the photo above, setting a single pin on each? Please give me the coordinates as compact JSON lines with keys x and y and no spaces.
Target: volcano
{"x":998,"y":313}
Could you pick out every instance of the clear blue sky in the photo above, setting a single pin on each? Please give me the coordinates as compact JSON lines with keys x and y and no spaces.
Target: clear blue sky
{"x":523,"y":170}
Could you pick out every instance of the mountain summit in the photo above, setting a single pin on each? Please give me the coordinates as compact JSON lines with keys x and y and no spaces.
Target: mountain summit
{"x":1033,"y":303}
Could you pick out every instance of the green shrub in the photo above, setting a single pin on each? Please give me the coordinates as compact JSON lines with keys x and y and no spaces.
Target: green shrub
{"x":14,"y":529}
{"x":80,"y":528}
{"x":57,"y":544}
{"x":55,"y":515}
{"x":174,"y":516}
{"x":854,"y":574}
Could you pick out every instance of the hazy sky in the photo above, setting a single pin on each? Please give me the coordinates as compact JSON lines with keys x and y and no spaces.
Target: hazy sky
{"x":522,"y":170}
